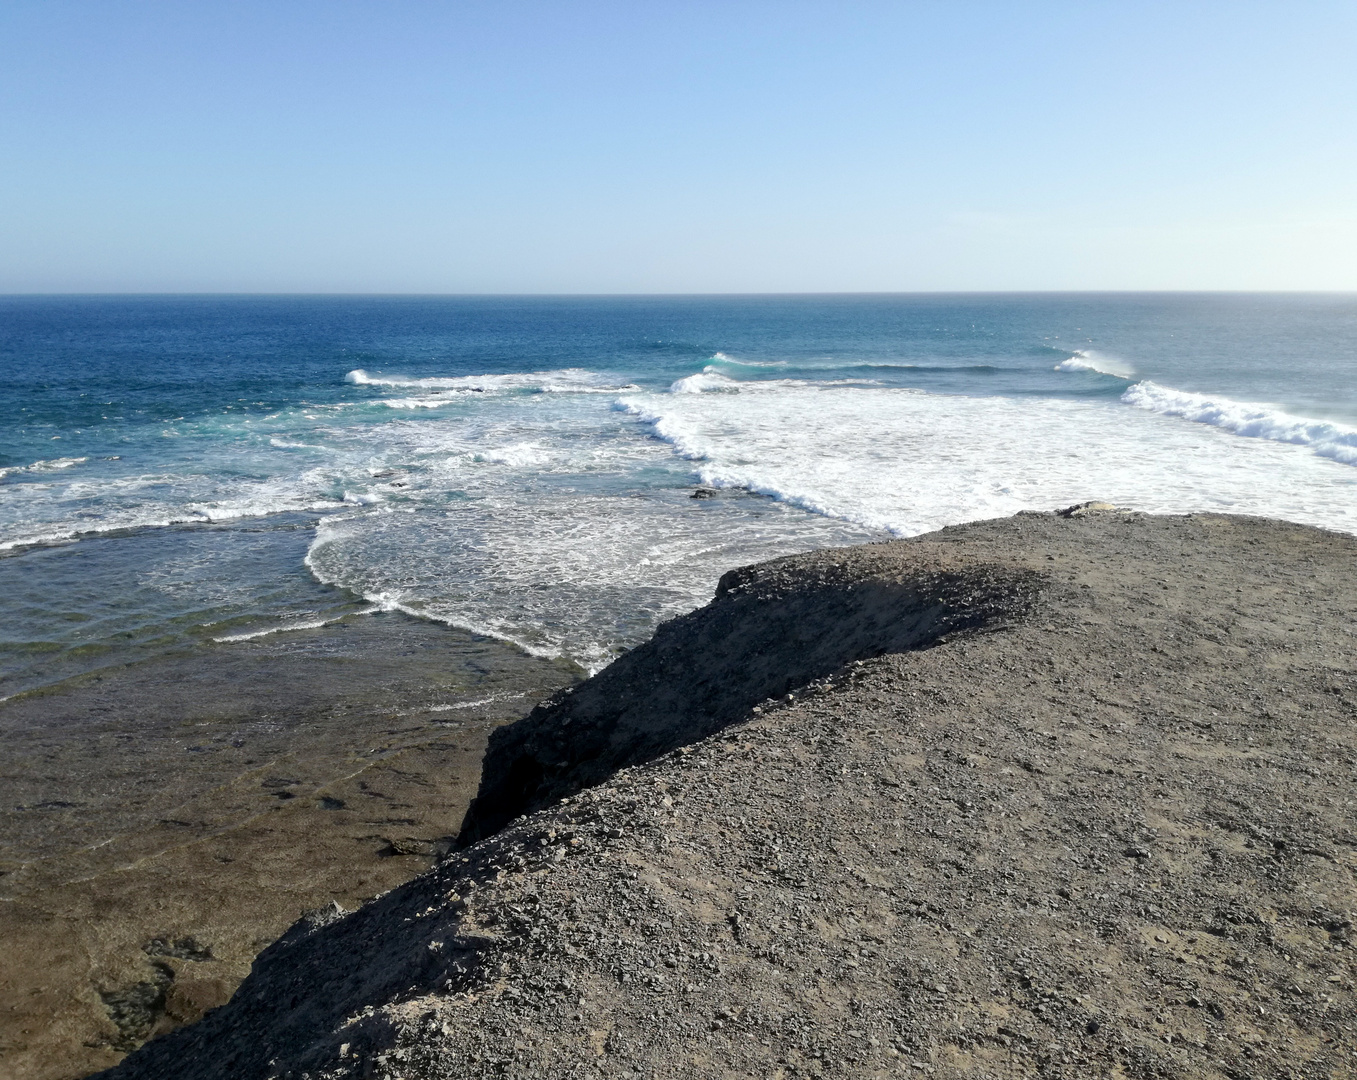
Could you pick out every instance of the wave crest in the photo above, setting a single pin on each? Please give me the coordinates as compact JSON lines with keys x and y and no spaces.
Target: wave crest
{"x":1250,"y":419}
{"x":1088,"y":360}
{"x":723,"y":358}
{"x":705,"y":382}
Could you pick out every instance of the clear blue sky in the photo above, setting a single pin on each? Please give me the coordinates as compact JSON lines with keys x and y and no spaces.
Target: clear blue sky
{"x":506,"y":146}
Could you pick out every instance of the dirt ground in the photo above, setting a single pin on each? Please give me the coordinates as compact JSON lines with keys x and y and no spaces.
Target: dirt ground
{"x":1097,"y":821}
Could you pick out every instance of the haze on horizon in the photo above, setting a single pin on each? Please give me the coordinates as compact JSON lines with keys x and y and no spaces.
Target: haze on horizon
{"x":742,"y":146}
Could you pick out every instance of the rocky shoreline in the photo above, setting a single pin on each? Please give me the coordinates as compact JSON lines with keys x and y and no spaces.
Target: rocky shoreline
{"x":162,"y":822}
{"x":1056,"y":795}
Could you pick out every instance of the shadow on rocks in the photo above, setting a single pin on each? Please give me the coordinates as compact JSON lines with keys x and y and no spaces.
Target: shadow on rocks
{"x":770,"y":630}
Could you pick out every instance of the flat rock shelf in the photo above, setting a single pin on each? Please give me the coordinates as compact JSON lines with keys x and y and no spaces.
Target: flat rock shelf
{"x":162,"y":822}
{"x":1045,"y":796}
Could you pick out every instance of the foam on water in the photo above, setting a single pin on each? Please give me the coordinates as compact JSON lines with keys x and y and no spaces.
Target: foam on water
{"x":709,"y":381}
{"x":551,"y":507}
{"x":564,"y":381}
{"x":1249,"y":419}
{"x":459,"y":705}
{"x":571,"y":532}
{"x":559,"y":523}
{"x":33,"y":513}
{"x":417,"y":403}
{"x":705,"y":382}
{"x":154,"y":518}
{"x":50,"y":465}
{"x":908,"y":461}
{"x":251,"y":635}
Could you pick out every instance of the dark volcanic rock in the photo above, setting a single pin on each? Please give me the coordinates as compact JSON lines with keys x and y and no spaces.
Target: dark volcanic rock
{"x":1107,"y":831}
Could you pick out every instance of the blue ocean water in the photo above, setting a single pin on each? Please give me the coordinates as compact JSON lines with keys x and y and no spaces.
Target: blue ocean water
{"x":186,"y":471}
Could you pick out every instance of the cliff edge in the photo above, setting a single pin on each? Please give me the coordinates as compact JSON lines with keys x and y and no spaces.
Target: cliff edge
{"x":1056,"y":795}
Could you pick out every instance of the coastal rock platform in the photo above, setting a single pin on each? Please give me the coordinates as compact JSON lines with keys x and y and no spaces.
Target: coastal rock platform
{"x":1044,"y":796}
{"x":164,"y":821}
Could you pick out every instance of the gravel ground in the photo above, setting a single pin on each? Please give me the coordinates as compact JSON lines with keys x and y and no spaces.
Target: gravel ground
{"x":1098,"y":820}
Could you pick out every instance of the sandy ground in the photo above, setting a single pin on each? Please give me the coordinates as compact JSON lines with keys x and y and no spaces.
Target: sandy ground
{"x":160,"y":824}
{"x":1103,"y":827}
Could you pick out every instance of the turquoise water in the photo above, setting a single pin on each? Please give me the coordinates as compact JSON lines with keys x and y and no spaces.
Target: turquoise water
{"x":176,"y":471}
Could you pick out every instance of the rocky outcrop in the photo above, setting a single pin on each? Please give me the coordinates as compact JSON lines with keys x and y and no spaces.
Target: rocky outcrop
{"x":771,"y":630}
{"x":1104,"y":830}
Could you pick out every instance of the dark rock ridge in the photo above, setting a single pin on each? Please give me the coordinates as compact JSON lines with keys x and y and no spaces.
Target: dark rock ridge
{"x":1102,"y":827}
{"x":770,"y":630}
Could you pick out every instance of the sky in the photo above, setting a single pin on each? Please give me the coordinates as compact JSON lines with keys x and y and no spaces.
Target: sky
{"x":586,"y":147}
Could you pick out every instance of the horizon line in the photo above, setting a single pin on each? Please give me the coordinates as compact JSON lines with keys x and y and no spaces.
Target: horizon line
{"x":336,"y":294}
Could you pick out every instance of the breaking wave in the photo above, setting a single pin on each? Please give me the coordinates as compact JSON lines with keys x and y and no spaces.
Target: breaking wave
{"x":1088,"y":360}
{"x":907,"y":461}
{"x":1249,"y":419}
{"x":705,"y":382}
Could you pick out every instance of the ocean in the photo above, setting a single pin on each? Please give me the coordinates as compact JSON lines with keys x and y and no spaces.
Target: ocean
{"x":563,"y":473}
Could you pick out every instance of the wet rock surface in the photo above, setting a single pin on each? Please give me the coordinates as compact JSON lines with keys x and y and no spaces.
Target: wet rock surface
{"x":161,"y":823}
{"x":1105,"y":831}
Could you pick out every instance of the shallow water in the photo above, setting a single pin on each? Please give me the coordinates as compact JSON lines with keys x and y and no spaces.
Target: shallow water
{"x":179,"y":471}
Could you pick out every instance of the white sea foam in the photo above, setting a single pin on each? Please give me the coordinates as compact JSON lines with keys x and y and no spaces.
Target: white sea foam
{"x":456,"y":705}
{"x":313,"y":624}
{"x":1250,"y":419}
{"x":158,"y":514}
{"x":288,"y":444}
{"x":909,"y":461}
{"x":565,"y":380}
{"x":38,"y":539}
{"x":50,"y":465}
{"x":69,"y":532}
{"x":705,"y":382}
{"x":520,"y":455}
{"x":711,"y":381}
{"x":1088,"y":360}
{"x":294,"y":624}
{"x":419,"y":403}
{"x":560,"y":571}
{"x":262,"y":506}
{"x":560,"y":523}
